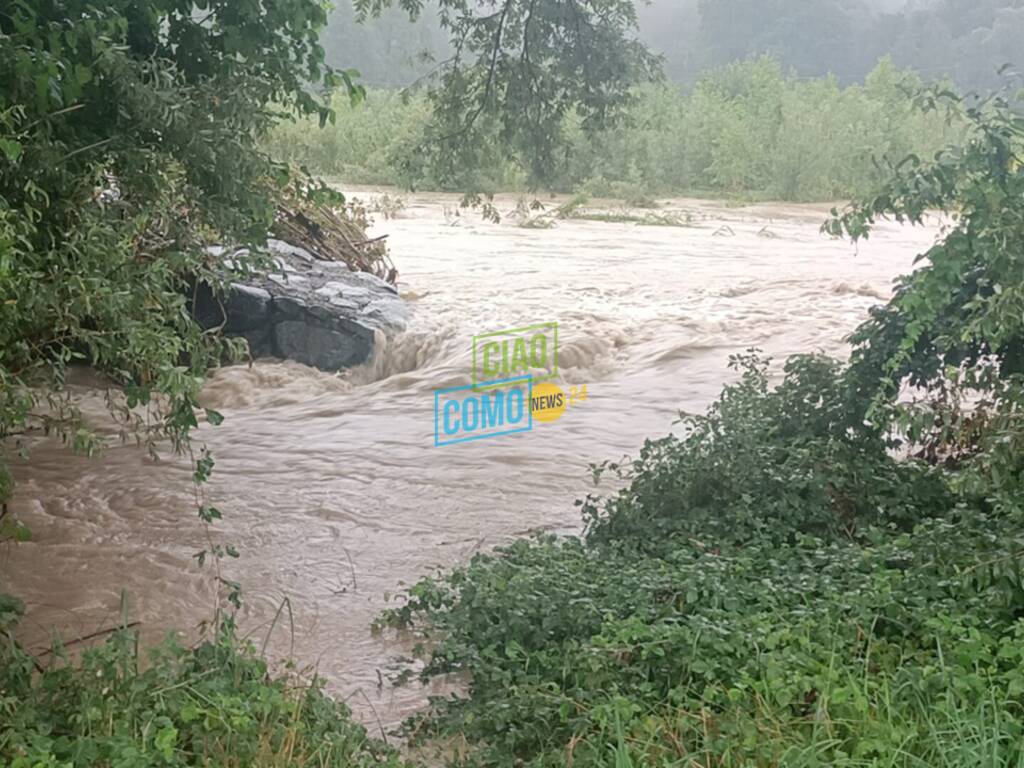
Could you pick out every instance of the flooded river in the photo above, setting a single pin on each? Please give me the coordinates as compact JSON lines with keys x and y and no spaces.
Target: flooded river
{"x":331,"y":487}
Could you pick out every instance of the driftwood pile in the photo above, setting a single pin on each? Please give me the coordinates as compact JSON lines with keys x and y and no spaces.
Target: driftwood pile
{"x":335,"y":234}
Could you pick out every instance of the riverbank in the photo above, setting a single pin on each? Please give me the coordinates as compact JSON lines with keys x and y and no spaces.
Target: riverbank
{"x":648,"y":316}
{"x":214,"y":703}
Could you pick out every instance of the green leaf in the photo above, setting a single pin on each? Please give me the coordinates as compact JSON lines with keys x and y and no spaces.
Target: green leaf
{"x":11,"y":149}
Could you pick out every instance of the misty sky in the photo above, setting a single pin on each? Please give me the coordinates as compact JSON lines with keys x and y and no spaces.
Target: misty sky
{"x":965,"y":40}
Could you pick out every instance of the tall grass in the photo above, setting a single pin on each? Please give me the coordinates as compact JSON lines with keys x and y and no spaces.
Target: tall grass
{"x":952,"y":732}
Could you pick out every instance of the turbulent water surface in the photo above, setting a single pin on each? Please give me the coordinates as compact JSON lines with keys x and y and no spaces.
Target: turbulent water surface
{"x":331,"y":487}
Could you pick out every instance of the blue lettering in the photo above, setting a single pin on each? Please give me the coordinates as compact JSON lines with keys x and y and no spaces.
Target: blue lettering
{"x":492,"y":410}
{"x":452,"y":406}
{"x":470,"y":424}
{"x":461,"y":415}
{"x":515,"y":398}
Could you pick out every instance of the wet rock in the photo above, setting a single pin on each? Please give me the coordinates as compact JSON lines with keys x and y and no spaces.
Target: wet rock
{"x":315,"y":312}
{"x":248,"y":308}
{"x":324,"y":348}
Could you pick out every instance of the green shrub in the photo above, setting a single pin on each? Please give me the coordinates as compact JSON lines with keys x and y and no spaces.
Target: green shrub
{"x":758,"y":595}
{"x":212,"y":705}
{"x":753,"y":654}
{"x":774,"y":465}
{"x":128,"y":140}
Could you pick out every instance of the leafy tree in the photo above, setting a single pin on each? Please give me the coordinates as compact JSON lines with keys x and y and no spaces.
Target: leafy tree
{"x":517,"y":69}
{"x":962,"y":309}
{"x":954,"y":331}
{"x":129,"y":136}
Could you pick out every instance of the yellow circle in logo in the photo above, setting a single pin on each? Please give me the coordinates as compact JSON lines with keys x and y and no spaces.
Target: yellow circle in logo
{"x":547,"y":402}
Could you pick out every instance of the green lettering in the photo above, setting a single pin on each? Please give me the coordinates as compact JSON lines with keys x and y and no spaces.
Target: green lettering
{"x":539,"y":351}
{"x":520,"y":361}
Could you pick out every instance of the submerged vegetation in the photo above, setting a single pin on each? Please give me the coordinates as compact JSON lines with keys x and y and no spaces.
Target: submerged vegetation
{"x":747,"y":130}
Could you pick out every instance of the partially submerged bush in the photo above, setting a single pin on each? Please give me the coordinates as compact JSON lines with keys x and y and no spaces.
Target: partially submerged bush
{"x":771,"y":588}
{"x":770,"y":464}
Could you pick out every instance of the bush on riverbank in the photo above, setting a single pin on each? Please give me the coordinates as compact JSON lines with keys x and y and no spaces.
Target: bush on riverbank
{"x":897,"y":651}
{"x":745,"y":130}
{"x":212,"y":705}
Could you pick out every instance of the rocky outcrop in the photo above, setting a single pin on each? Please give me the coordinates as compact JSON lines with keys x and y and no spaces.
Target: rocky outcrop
{"x":316,"y":312}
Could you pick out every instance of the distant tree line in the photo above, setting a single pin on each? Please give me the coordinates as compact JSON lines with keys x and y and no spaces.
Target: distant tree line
{"x":389,"y":50}
{"x":964,"y":40}
{"x":744,"y":130}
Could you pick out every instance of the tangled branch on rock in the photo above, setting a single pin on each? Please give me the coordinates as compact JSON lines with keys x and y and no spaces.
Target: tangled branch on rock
{"x":335,"y":234}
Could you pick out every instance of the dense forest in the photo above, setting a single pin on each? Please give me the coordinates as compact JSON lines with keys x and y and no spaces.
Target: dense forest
{"x":790,"y":100}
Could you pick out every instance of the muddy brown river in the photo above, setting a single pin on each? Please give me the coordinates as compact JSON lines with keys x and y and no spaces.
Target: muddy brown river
{"x":331,"y":487}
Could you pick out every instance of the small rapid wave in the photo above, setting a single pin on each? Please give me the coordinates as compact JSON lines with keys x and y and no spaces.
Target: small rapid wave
{"x":408,"y":352}
{"x":864,"y":289}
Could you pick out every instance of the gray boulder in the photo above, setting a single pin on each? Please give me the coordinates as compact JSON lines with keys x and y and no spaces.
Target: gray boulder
{"x":312,"y":311}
